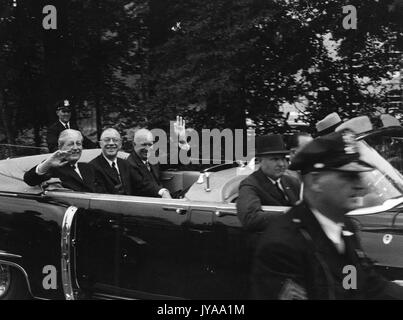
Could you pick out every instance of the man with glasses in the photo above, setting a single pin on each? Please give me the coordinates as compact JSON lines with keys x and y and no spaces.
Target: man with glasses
{"x":116,"y":175}
{"x":63,"y":164}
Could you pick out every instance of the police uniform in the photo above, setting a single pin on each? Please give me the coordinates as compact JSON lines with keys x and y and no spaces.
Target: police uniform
{"x":296,"y":259}
{"x":56,"y":128}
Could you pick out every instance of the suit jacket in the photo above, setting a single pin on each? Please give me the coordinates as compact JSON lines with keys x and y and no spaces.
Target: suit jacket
{"x":256,"y":191}
{"x":53,"y":136}
{"x":68,"y":177}
{"x":295,"y":252}
{"x":132,"y":181}
{"x":135,"y":161}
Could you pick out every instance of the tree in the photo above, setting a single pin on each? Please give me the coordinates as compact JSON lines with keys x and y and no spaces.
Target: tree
{"x":222,"y":60}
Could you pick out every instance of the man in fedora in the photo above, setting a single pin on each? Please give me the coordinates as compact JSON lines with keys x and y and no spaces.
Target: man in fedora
{"x":304,"y":253}
{"x":268,"y":185}
{"x":63,"y":111}
{"x":328,"y":124}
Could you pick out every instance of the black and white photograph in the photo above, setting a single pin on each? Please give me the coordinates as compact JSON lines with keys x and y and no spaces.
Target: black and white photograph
{"x":215,"y":152}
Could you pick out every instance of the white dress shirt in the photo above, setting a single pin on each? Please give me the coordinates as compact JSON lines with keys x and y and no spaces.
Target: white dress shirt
{"x":65,"y":124}
{"x":110,"y":163}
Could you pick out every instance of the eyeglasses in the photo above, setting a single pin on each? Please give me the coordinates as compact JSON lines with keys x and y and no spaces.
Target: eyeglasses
{"x":114,"y":140}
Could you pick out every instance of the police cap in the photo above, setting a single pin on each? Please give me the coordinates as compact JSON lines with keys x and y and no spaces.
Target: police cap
{"x":63,"y":105}
{"x":337,"y":151}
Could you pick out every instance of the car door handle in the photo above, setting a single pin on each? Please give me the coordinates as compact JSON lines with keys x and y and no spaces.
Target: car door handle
{"x":180,"y":211}
{"x":220,"y":213}
{"x":167,"y":178}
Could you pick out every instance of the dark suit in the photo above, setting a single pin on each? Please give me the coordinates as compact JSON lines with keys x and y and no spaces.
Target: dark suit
{"x":153,"y":175}
{"x":294,"y":249}
{"x":132,"y":181}
{"x":53,"y":136}
{"x":68,"y":177}
{"x":256,"y":191}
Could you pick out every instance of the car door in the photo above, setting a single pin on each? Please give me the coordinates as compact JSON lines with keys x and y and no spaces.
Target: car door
{"x":223,"y":259}
{"x":132,"y":247}
{"x":381,"y":236}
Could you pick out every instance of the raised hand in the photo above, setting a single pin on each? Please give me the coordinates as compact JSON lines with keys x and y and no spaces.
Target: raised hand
{"x":57,"y":159}
{"x":179,"y":128}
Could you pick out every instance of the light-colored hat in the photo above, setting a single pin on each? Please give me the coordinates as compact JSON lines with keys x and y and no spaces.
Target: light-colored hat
{"x":328,"y":124}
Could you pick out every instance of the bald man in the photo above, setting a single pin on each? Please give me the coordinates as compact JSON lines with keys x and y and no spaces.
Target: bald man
{"x":142,"y":142}
{"x":63,"y":164}
{"x":116,"y":175}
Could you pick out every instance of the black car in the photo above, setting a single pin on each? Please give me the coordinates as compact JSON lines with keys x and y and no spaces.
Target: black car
{"x":60,"y":244}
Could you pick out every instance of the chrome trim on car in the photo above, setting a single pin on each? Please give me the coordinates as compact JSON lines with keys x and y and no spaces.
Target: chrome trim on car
{"x":15,"y":265}
{"x":387,"y":205}
{"x":9,"y":255}
{"x":65,"y":253}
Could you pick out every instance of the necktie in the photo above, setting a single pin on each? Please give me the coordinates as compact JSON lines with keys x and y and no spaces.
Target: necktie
{"x":148,"y":166}
{"x":66,"y":125}
{"x":77,"y":171}
{"x":116,"y":172}
{"x":277,"y":184}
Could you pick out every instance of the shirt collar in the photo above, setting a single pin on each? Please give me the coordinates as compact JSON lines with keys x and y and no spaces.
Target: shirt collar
{"x":64,"y":124}
{"x":110,"y":162}
{"x":332,"y":229}
{"x":274,"y":181}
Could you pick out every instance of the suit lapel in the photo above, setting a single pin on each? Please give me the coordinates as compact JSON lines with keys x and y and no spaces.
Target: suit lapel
{"x":324,"y":246}
{"x":154,"y":172}
{"x":151,"y":174}
{"x":288,"y":191}
{"x":269,"y":188}
{"x":86,"y":174}
{"x":124,"y":174}
{"x":69,"y":173}
{"x":107,"y":168}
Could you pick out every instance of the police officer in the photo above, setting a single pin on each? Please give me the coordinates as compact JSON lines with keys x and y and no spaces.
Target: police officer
{"x":312,"y":251}
{"x":63,"y":112}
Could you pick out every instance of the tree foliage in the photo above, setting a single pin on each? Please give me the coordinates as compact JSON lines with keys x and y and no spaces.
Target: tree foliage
{"x":221,"y":61}
{"x":217,"y":62}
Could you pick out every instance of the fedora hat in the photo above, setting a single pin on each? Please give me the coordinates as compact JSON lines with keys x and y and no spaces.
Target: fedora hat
{"x":337,"y":151}
{"x":270,"y":144}
{"x":328,"y":124}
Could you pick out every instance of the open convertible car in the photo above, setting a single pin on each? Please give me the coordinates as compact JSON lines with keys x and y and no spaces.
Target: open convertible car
{"x":60,"y":244}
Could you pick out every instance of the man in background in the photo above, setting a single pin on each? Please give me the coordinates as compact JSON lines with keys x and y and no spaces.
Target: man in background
{"x":63,"y":111}
{"x":267,"y":186}
{"x":296,"y":142}
{"x":303,"y":254}
{"x":328,"y":124}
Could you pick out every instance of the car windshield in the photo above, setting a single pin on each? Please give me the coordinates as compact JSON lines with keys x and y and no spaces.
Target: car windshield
{"x":383,"y":183}
{"x":390,"y":146}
